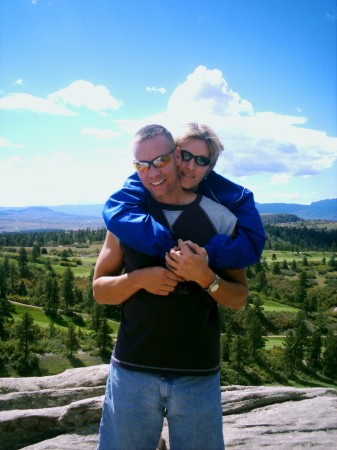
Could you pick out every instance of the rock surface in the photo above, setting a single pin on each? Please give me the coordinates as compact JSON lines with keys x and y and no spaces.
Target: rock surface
{"x":63,"y":412}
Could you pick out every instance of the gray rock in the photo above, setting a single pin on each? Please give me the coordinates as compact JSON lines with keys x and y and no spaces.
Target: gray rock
{"x":63,"y":412}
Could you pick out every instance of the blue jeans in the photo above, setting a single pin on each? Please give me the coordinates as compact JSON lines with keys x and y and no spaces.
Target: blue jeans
{"x":135,"y":405}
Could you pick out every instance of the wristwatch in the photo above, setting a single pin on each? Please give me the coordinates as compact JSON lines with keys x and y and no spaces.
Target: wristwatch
{"x":214,"y":286}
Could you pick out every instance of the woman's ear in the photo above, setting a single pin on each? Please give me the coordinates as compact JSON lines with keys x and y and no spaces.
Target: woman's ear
{"x":178,"y":156}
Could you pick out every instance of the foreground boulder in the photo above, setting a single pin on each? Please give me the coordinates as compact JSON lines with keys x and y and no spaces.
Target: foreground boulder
{"x":63,"y":412}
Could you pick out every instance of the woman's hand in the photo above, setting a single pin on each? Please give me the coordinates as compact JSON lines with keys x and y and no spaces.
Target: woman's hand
{"x":188,"y":260}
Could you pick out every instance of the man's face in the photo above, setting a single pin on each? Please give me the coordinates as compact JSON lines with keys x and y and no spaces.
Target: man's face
{"x":161,"y":182}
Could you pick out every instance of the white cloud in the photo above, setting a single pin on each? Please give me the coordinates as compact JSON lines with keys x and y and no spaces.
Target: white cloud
{"x":35,"y":104}
{"x":100,"y":133}
{"x":85,"y":94}
{"x":255,"y":142}
{"x":78,"y":94}
{"x":206,"y":93}
{"x":62,"y":178}
{"x":281,"y":197}
{"x":259,"y":145}
{"x":156,"y":90}
{"x":19,"y":82}
{"x":280,"y":178}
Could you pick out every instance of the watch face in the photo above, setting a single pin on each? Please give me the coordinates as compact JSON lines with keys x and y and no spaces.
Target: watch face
{"x":215,"y":284}
{"x":215,"y":287}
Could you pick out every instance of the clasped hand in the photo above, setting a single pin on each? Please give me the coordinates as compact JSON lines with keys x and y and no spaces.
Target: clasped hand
{"x":188,"y":260}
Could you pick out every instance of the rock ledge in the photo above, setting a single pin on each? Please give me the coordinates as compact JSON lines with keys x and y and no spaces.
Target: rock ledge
{"x":63,"y":412}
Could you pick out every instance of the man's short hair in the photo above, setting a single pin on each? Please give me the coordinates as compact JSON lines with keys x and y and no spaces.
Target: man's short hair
{"x":152,"y":131}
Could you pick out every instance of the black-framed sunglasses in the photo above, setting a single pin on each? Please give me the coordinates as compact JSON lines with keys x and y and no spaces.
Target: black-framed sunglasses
{"x":159,"y":162}
{"x":199,"y":160}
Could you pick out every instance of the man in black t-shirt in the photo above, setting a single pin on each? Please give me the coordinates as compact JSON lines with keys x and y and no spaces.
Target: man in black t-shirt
{"x":166,"y":359}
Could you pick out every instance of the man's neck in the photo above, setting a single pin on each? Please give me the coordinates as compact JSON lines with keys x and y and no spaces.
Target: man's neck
{"x":178,"y":197}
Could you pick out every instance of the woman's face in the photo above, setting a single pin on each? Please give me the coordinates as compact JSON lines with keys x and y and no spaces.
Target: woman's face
{"x":190,"y":172}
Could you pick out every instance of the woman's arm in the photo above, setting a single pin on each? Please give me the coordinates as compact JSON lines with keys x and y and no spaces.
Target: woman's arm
{"x":246,"y":246}
{"x":125,"y":216}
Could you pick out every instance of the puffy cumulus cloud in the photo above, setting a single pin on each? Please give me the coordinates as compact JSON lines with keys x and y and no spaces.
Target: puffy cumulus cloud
{"x":255,"y":142}
{"x":77,"y":95}
{"x":206,"y":93}
{"x":28,"y":102}
{"x":85,"y":94}
{"x":100,"y":133}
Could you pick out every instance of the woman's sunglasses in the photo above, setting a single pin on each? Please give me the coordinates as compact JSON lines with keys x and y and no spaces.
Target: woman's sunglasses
{"x":159,"y":162}
{"x":199,"y":160}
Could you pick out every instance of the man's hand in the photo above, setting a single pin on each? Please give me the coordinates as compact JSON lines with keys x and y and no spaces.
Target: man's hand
{"x":158,"y":280}
{"x":188,"y":260}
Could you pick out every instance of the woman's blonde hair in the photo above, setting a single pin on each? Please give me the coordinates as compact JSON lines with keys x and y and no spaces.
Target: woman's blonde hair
{"x":204,"y":133}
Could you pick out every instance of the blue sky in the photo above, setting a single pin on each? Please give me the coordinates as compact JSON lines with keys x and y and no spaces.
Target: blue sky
{"x":79,"y":77}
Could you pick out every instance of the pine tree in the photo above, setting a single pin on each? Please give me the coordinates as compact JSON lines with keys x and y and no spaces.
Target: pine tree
{"x":51,"y":293}
{"x":290,"y":351}
{"x":36,"y":253}
{"x":4,"y":276}
{"x":27,"y":334}
{"x":71,"y":341}
{"x":254,"y":333}
{"x":89,"y":300}
{"x":5,"y":317}
{"x":23,"y":263}
{"x":67,"y":289}
{"x":238,"y":353}
{"x":314,"y":347}
{"x":103,"y":338}
{"x":330,"y":356}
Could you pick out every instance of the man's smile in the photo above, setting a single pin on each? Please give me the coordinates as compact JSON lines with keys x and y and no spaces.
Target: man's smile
{"x":157,"y":183}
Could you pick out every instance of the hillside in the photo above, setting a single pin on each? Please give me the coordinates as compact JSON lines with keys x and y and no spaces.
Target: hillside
{"x":67,"y":217}
{"x":322,"y":210}
{"x":43,"y":218}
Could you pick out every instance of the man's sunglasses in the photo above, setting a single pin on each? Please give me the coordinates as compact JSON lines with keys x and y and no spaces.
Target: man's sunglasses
{"x":200,"y":160}
{"x":159,"y":162}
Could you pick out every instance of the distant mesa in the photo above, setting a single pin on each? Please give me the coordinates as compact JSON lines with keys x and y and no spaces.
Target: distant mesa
{"x":74,"y":217}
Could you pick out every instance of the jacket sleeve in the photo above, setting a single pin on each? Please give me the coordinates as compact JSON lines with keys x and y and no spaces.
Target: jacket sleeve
{"x":246,"y":247}
{"x":125,"y":216}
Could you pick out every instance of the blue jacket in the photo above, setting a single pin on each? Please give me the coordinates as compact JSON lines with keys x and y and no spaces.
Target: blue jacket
{"x":125,"y":216}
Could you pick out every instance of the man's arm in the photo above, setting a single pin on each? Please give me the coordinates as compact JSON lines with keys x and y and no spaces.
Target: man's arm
{"x":189,"y":262}
{"x":111,"y":287}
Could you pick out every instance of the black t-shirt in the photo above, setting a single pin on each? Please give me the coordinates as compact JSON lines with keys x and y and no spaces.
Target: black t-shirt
{"x":177,"y":334}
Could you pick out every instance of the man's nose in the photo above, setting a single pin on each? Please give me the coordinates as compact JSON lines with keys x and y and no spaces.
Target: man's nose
{"x":153,"y":170}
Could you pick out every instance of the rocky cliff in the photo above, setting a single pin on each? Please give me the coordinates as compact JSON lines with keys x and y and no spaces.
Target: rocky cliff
{"x":63,"y":412}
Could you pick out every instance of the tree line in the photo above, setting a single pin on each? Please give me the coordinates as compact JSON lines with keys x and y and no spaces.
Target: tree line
{"x":299,"y":238}
{"x":52,"y":238}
